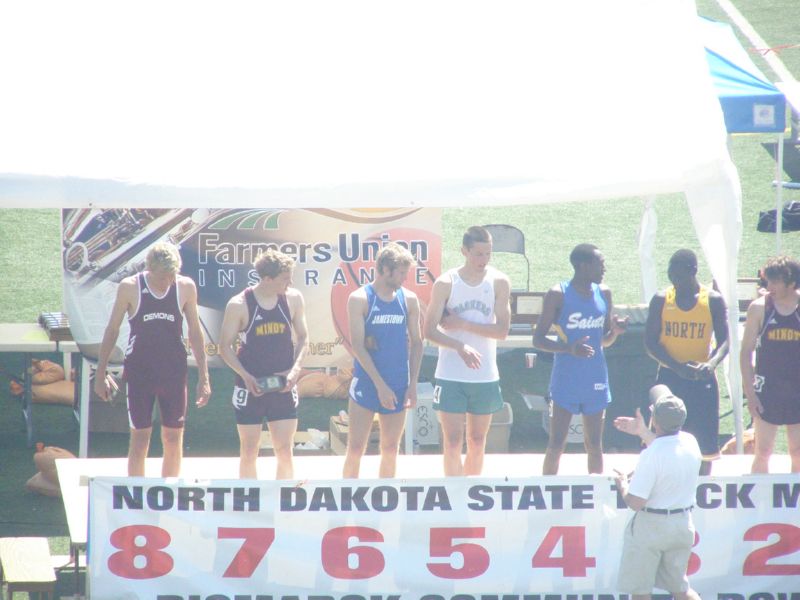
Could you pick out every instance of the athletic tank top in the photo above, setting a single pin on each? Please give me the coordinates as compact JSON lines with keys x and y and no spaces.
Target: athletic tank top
{"x":778,"y":348}
{"x":575,"y":378}
{"x":266,"y":344}
{"x":155,"y":342}
{"x":387,"y":326}
{"x":686,"y":334}
{"x":475,"y":304}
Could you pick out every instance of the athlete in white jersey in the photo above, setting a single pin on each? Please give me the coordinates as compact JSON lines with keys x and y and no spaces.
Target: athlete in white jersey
{"x":469,"y":311}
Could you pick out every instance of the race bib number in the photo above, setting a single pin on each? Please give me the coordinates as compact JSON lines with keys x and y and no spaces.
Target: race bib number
{"x":239,"y":398}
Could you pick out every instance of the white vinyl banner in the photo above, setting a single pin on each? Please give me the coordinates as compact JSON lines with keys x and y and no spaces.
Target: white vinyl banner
{"x":532,"y":539}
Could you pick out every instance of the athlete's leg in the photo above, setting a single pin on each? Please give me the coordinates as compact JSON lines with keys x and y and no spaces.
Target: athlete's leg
{"x":391,"y":432}
{"x":282,"y":433}
{"x":593,"y":440}
{"x":477,"y":430}
{"x":137,"y":451}
{"x":764,"y":443}
{"x":172,"y":441}
{"x":689,"y":594}
{"x":793,"y":439}
{"x":559,"y":427}
{"x":249,"y":442}
{"x":359,"y":425}
{"x":452,"y":442}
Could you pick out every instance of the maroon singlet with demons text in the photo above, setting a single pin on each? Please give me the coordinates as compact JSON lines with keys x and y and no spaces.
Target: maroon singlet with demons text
{"x":155,"y":361}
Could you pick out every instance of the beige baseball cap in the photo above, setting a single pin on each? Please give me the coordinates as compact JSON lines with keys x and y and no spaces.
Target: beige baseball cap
{"x":668,"y":410}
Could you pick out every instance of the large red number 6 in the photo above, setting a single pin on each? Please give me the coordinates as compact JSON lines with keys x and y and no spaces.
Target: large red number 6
{"x":573,"y":560}
{"x":257,"y":541}
{"x":788,"y":542}
{"x":475,"y":557}
{"x":336,"y":553}
{"x":156,"y":562}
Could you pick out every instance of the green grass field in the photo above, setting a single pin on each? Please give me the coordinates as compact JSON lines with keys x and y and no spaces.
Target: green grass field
{"x":30,"y":272}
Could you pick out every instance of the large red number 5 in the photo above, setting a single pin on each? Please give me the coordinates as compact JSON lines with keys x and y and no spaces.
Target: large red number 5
{"x":573,"y":560}
{"x":153,"y":539}
{"x":788,"y":542}
{"x":475,"y":557}
{"x":257,"y":541}
{"x":336,"y":553}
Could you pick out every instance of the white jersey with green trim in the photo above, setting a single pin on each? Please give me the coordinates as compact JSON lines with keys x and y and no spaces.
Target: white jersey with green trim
{"x":474,"y":303}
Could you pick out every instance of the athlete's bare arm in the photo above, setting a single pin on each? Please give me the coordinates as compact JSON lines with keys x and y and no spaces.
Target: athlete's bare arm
{"x":234,"y":321}
{"x":357,"y":307}
{"x":502,"y":311}
{"x":297,"y":307}
{"x":719,"y":319}
{"x":414,"y":347}
{"x":753,"y":325}
{"x":125,"y":304}
{"x":434,"y":331}
{"x":614,"y":325}
{"x":188,"y":293}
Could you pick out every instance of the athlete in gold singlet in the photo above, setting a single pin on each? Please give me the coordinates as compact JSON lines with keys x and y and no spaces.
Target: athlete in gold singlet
{"x":683,"y":322}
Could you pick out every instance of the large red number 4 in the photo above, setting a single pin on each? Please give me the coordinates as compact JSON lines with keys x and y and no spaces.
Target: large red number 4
{"x":788,"y":542}
{"x":573,"y":560}
{"x":153,"y":539}
{"x":257,"y":541}
{"x":475,"y":558}
{"x":336,"y":553}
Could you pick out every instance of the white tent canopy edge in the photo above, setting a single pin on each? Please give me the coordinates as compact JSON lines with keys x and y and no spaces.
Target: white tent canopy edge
{"x":363,"y":103}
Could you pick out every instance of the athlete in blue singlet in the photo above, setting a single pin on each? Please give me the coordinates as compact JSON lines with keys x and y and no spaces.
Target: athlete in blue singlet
{"x":387,"y":345}
{"x":580,"y":311}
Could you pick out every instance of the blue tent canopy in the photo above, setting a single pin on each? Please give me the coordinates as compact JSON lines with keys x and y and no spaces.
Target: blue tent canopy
{"x":750,"y":103}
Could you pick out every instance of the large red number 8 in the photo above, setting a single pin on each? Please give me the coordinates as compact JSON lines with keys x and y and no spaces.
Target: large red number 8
{"x":156,"y":562}
{"x":336,"y":553}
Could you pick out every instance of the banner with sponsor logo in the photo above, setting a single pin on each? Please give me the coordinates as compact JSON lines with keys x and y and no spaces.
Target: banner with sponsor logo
{"x":334,"y":252}
{"x":534,"y":538}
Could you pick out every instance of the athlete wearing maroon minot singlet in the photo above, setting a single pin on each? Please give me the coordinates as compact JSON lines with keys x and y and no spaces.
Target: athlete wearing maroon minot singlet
{"x":265,"y":348}
{"x":264,"y":334}
{"x":772,"y":388}
{"x":155,"y":361}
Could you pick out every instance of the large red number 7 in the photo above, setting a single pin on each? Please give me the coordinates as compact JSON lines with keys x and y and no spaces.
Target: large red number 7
{"x":257,"y":541}
{"x":475,"y":557}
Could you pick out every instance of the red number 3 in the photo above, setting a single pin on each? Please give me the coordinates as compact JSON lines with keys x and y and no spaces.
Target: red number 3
{"x":154,"y":563}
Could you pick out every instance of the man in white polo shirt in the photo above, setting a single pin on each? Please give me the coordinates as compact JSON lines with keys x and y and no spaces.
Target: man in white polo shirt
{"x":660,"y":534}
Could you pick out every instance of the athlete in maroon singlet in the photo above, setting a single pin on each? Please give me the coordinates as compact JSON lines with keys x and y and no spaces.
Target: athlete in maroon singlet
{"x":268,"y":323}
{"x":773,"y":389}
{"x":155,"y":361}
{"x":156,"y":302}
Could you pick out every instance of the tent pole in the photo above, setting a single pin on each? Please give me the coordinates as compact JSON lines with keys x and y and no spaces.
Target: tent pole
{"x":779,"y":192}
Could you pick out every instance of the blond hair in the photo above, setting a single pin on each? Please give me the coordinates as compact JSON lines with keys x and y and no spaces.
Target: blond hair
{"x":272,"y":263}
{"x":163,"y":257}
{"x":393,"y":255}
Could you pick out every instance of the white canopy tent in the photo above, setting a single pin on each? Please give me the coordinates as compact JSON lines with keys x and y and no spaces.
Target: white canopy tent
{"x":365,"y":103}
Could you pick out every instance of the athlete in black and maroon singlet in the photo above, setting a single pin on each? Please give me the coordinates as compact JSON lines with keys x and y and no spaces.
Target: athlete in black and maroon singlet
{"x":264,"y":334}
{"x":777,"y":380}
{"x":155,"y":361}
{"x":265,"y":348}
{"x":772,"y":389}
